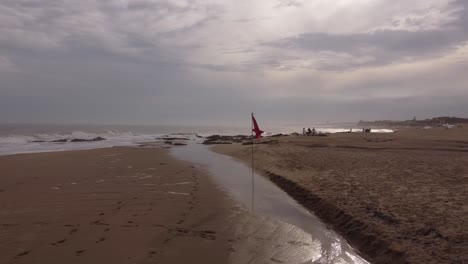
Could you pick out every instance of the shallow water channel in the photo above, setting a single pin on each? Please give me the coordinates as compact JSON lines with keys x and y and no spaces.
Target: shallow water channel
{"x":269,"y":201}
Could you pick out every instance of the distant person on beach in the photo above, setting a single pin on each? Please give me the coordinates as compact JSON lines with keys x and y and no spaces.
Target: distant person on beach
{"x":313,"y":131}
{"x":303,"y":131}
{"x":309,"y":132}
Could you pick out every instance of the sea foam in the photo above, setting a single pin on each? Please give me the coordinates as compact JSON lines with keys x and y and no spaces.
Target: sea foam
{"x":44,"y":142}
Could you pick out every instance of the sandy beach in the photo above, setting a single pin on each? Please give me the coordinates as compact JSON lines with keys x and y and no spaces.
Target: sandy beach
{"x":398,"y":198}
{"x":117,"y":205}
{"x":132,"y":205}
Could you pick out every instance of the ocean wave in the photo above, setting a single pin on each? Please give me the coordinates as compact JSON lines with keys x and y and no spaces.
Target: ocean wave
{"x":79,"y":140}
{"x":16,"y":139}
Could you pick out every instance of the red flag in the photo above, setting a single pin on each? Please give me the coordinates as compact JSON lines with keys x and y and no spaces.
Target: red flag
{"x":256,"y":129}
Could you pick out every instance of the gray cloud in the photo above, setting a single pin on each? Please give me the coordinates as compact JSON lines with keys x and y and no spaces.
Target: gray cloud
{"x":190,"y":62}
{"x":398,"y":43}
{"x":384,"y":46}
{"x":289,"y":3}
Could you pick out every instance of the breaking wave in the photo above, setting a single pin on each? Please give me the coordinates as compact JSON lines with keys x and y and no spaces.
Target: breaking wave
{"x":77,"y":140}
{"x":80,"y":140}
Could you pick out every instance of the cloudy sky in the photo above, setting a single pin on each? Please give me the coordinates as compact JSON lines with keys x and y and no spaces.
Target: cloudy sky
{"x":215,"y":61}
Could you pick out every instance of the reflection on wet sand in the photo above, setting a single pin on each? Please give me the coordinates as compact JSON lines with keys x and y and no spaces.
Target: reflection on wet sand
{"x":280,"y":230}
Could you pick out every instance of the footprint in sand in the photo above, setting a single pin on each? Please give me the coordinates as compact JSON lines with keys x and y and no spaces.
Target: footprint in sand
{"x":24,"y":253}
{"x":210,"y":235}
{"x":276,"y":260}
{"x":58,"y":242}
{"x":162,"y":226}
{"x":99,"y":222}
{"x":79,"y":252}
{"x":182,"y":230}
{"x":206,"y":234}
{"x":167,"y":240}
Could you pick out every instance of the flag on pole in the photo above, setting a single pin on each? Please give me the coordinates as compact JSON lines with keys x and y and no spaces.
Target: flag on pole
{"x":256,"y":129}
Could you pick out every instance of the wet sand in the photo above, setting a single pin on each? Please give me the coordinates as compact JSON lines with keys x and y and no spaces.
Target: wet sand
{"x":131,"y":205}
{"x":398,"y":198}
{"x":117,"y":205}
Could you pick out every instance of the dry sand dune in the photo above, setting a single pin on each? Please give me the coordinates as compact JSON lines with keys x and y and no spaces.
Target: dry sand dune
{"x":399,"y":197}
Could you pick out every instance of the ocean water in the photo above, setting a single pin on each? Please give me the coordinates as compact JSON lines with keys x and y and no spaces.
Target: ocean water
{"x":31,"y":138}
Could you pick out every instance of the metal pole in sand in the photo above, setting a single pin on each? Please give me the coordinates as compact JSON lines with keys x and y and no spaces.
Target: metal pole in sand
{"x":253,"y":186}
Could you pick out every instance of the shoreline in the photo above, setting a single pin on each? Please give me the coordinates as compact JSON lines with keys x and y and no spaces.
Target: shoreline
{"x":360,"y":186}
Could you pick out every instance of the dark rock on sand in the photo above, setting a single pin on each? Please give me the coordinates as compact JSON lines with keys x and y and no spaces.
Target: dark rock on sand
{"x":87,"y":140}
{"x":227,"y":138}
{"x":172,"y":138}
{"x":60,"y":140}
{"x":211,"y":142}
{"x":219,"y":139}
{"x":280,"y":135}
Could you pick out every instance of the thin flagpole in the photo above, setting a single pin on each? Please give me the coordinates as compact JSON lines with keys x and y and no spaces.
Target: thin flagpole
{"x":253,"y":183}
